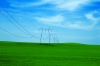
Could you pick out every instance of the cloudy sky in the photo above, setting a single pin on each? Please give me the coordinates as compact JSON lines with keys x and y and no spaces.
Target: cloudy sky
{"x":71,"y":20}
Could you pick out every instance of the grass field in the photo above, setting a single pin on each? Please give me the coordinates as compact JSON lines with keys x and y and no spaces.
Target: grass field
{"x":34,"y":54}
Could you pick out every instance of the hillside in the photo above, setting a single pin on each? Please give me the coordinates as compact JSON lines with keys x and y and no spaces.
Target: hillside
{"x":36,"y":54}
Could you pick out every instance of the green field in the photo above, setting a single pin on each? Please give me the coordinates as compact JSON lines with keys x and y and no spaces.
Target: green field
{"x":35,"y":54}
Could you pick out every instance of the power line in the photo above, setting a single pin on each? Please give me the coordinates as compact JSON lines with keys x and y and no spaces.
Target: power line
{"x":24,"y":30}
{"x":18,"y":23}
{"x":13,"y":23}
{"x":13,"y":18}
{"x":25,"y":16}
{"x":13,"y":34}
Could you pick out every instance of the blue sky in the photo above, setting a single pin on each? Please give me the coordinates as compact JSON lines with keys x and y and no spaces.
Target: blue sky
{"x":71,"y":20}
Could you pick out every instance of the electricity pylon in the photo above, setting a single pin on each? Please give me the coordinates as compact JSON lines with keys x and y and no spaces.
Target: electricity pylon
{"x":49,"y":33}
{"x":54,"y":37}
{"x":41,"y":32}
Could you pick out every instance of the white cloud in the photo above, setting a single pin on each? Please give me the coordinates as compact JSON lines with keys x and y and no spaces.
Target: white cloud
{"x":93,"y":19}
{"x":60,"y":20}
{"x":51,"y":19}
{"x":70,"y":5}
{"x":76,"y":25}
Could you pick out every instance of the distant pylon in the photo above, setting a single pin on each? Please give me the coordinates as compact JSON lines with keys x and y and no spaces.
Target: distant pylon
{"x":41,"y":32}
{"x":49,"y":33}
{"x":54,"y":37}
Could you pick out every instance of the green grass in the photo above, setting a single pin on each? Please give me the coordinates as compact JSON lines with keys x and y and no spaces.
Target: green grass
{"x":34,"y":54}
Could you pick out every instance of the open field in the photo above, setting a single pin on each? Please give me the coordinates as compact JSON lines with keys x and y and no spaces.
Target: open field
{"x":34,"y":54}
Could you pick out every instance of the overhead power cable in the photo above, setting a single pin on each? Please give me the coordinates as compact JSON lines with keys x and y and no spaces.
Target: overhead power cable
{"x":28,"y":33}
{"x":13,"y":34}
{"x":13,"y":23}
{"x":25,"y":16}
{"x":13,"y":18}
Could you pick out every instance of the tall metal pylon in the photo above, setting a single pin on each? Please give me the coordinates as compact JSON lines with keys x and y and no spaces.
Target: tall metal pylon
{"x":54,"y":37}
{"x":41,"y":32}
{"x":49,"y":33}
